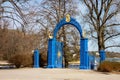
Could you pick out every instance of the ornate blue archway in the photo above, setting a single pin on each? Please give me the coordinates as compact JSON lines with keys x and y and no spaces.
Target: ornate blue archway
{"x":53,"y":49}
{"x":63,"y":22}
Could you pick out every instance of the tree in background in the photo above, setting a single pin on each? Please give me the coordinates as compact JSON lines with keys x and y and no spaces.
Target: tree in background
{"x":12,"y":11}
{"x":102,"y":17}
{"x":14,"y":42}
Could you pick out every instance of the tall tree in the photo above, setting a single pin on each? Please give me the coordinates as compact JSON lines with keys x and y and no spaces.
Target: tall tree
{"x":101,"y":16}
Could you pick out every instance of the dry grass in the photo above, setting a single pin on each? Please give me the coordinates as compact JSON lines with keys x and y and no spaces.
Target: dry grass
{"x":108,"y":66}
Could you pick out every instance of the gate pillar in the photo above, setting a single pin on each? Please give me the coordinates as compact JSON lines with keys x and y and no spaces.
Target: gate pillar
{"x":102,"y":55}
{"x":84,"y":57}
{"x":51,"y":53}
{"x":36,"y":58}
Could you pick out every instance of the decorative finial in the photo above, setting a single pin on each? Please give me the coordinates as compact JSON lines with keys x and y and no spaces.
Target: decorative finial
{"x":68,"y":18}
{"x":84,"y":34}
{"x":50,"y":35}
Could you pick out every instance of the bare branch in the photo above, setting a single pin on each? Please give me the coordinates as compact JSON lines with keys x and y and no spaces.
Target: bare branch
{"x":111,"y":36}
{"x":12,"y":19}
{"x":111,"y":25}
{"x":112,"y":46}
{"x":18,"y":10}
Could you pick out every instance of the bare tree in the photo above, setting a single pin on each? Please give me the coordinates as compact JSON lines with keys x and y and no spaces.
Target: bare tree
{"x":101,"y":16}
{"x":13,"y":12}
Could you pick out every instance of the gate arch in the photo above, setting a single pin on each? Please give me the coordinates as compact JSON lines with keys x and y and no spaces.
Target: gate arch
{"x":52,"y":49}
{"x":63,"y":22}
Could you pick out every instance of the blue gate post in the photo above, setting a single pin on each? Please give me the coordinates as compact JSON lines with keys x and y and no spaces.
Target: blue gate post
{"x":36,"y":58}
{"x":51,"y":53}
{"x":84,"y":57}
{"x":102,"y":55}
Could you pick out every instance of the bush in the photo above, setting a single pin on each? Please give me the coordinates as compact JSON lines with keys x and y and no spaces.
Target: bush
{"x":21,"y":60}
{"x":105,"y":67}
{"x":116,"y":66}
{"x":108,"y":66}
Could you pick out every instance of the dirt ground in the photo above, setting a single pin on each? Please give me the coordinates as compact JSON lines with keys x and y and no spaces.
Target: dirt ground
{"x":55,"y":74}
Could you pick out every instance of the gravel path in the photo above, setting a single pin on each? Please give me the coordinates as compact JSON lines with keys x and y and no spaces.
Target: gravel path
{"x":54,"y":74}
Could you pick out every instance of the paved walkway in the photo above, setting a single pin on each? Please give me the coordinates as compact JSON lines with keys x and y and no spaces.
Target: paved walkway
{"x":54,"y":74}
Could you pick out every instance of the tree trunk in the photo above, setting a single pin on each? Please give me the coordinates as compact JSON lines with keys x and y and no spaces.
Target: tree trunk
{"x":101,"y":45}
{"x":65,"y":47}
{"x":65,"y":58}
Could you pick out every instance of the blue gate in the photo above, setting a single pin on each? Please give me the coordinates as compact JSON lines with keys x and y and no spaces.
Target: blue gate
{"x":55,"y":47}
{"x":55,"y":54}
{"x":59,"y":55}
